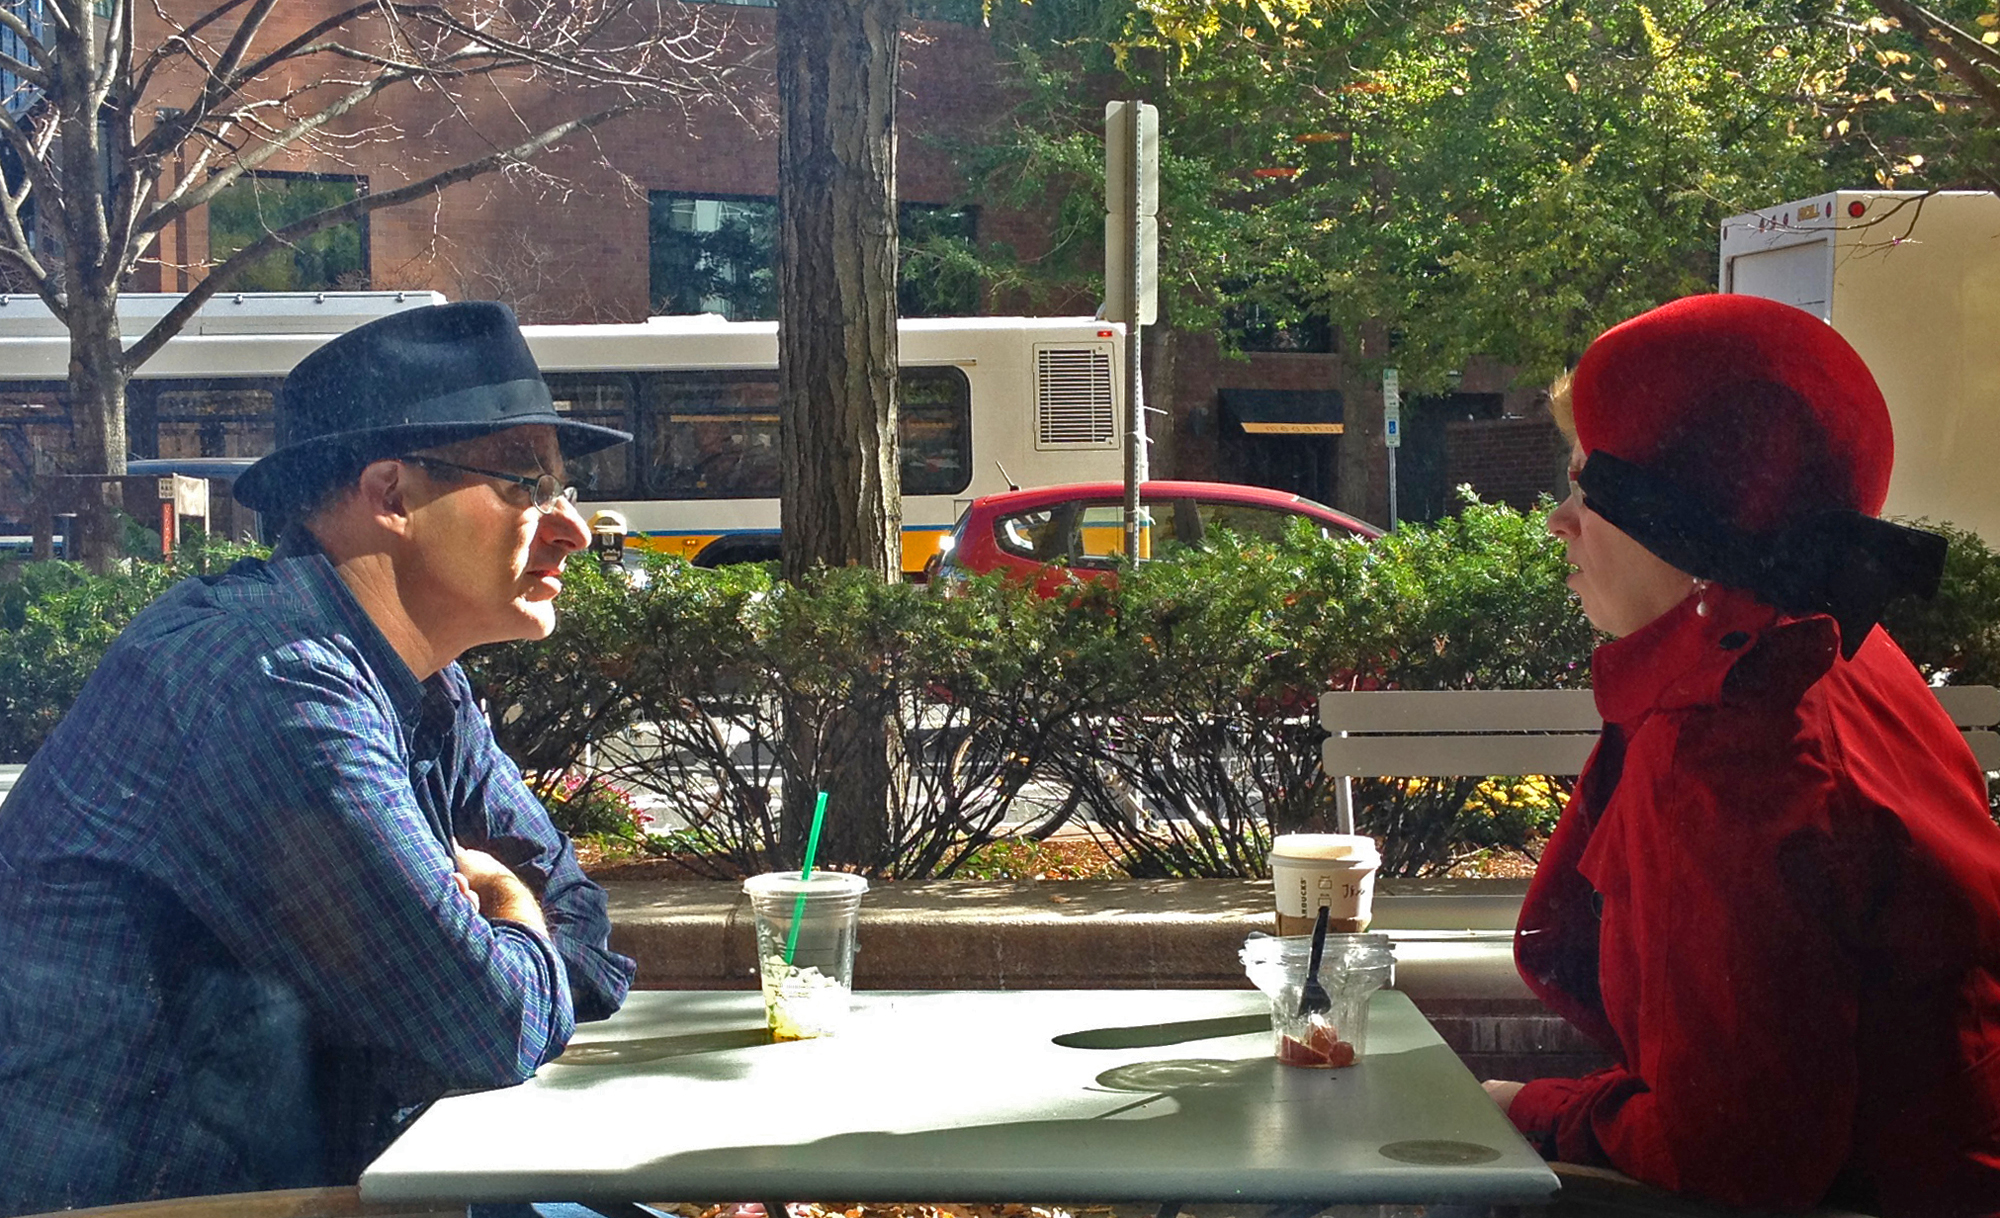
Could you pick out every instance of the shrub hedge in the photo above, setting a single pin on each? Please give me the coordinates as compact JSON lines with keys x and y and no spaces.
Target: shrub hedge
{"x":1173,"y":711}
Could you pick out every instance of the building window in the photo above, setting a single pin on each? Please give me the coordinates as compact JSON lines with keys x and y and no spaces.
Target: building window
{"x":718,"y":254}
{"x":259,"y":203}
{"x":714,"y":255}
{"x":939,"y":277}
{"x":1257,"y":327}
{"x":17,"y":96}
{"x":35,"y":437}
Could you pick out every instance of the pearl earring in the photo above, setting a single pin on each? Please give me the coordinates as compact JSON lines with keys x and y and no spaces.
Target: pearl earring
{"x":1701,"y":597}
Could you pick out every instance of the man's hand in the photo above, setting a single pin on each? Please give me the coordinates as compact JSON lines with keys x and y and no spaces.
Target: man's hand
{"x":1502,"y":1092}
{"x":495,"y":890}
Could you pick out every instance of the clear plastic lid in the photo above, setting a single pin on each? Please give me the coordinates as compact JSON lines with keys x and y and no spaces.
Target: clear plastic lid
{"x":821,"y":884}
{"x":1366,"y":960}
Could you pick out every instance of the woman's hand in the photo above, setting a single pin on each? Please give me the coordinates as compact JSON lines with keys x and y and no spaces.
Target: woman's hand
{"x":1502,"y":1092}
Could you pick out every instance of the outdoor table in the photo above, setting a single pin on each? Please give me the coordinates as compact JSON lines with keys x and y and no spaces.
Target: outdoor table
{"x":1050,"y":1095}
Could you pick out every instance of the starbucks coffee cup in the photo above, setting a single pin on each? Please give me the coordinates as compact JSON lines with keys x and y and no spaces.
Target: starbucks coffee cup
{"x":1335,"y":870}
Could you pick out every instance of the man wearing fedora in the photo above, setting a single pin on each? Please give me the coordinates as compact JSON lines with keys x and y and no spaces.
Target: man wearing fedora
{"x":271,"y":886}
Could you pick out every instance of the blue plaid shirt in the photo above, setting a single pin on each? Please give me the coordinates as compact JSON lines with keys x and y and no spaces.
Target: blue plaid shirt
{"x":231,"y":952}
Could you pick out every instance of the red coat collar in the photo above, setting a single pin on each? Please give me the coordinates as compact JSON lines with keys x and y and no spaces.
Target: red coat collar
{"x":1683,"y":658}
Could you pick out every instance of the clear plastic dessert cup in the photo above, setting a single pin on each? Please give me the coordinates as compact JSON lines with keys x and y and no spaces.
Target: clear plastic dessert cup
{"x":1351,"y":968}
{"x":808,"y":973}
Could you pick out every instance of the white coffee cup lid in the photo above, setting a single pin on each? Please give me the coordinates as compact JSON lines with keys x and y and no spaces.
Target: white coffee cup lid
{"x":1323,"y":847}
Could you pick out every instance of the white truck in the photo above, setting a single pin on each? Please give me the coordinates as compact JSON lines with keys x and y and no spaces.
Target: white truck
{"x":1912,"y":279}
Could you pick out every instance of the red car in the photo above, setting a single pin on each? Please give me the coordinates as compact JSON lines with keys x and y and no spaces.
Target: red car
{"x":1053,"y":535}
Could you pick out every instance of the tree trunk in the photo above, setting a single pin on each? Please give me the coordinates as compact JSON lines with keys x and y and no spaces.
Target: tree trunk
{"x":841,"y":496}
{"x":97,"y":409}
{"x":92,"y":267}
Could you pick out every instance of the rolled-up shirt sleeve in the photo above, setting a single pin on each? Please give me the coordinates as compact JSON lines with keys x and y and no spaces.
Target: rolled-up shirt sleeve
{"x":311,"y":858}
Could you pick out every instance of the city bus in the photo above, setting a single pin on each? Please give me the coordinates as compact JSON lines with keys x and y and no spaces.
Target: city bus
{"x":987,"y":403}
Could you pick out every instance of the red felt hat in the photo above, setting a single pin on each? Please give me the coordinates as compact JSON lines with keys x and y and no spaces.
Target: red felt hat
{"x":1758,"y":411}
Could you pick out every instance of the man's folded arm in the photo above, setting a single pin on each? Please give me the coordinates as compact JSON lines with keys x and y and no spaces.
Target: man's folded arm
{"x":309,"y":856}
{"x":517,"y":829}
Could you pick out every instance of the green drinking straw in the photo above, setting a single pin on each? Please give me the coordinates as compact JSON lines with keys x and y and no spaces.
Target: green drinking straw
{"x":805,"y":873}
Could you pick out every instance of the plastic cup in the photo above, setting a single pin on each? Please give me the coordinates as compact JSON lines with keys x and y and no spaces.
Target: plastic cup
{"x":1351,"y":968}
{"x":812,"y":994}
{"x":1336,"y":870}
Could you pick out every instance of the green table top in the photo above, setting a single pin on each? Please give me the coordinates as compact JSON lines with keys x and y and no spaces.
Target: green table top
{"x":1052,"y":1095}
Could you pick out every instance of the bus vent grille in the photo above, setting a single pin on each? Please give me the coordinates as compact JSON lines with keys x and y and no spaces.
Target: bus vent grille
{"x":1074,"y":406}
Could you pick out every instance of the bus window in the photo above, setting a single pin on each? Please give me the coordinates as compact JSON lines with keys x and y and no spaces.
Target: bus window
{"x":935,"y":412}
{"x":710,"y":435}
{"x":34,"y":418}
{"x":1103,"y":532}
{"x":607,"y":402}
{"x":208,"y":418}
{"x":1040,"y":533}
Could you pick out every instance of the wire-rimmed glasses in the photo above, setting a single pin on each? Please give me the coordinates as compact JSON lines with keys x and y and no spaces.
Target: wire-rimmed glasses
{"x":546,"y":489}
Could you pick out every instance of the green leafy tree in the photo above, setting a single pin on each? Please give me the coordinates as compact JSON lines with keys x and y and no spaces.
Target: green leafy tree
{"x":1477,"y":177}
{"x":1917,"y":104}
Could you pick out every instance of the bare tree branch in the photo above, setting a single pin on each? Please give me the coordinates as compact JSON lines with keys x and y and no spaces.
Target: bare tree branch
{"x":185,"y":41}
{"x":246,"y":33}
{"x":219,"y":277}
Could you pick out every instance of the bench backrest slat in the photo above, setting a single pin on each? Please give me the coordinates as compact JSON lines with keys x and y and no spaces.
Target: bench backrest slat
{"x":1448,"y":733}
{"x":1450,"y":756}
{"x":1460,"y":710}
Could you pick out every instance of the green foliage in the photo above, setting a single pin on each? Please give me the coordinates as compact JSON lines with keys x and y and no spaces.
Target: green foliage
{"x":1955,"y":636}
{"x":56,"y":621}
{"x":584,"y":805}
{"x":1173,"y":714}
{"x":1210,"y":739}
{"x":1480,"y":177}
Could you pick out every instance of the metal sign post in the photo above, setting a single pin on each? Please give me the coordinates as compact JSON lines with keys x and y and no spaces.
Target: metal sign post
{"x":1392,"y":429}
{"x":1131,"y":268}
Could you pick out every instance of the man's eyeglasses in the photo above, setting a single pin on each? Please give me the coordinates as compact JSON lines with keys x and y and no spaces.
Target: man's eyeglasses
{"x":546,"y":489}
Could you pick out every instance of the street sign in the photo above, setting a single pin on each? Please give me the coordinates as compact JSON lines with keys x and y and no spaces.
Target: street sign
{"x":1131,"y":193}
{"x":1392,"y":409}
{"x":1118,"y":254}
{"x":1118,"y":152}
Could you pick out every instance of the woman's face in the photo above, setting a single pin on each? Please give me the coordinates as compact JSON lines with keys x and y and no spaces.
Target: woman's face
{"x":1622,"y":584}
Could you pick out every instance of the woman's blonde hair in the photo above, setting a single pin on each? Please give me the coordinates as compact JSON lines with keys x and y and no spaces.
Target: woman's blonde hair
{"x":1561,"y":408}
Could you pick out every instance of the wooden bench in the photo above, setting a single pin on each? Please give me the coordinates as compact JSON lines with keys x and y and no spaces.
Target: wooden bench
{"x":1453,"y":733}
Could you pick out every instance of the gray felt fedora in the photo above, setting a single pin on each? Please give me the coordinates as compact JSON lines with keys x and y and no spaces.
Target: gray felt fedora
{"x":409,"y":381}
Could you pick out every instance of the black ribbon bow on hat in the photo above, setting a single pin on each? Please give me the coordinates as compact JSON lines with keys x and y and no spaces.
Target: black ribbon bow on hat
{"x":1843,"y":563}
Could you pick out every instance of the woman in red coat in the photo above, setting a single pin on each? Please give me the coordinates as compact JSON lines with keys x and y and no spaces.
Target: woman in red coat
{"x":1775,"y":897}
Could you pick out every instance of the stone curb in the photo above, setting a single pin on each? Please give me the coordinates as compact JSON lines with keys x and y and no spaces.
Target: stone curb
{"x":1453,"y":937}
